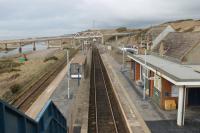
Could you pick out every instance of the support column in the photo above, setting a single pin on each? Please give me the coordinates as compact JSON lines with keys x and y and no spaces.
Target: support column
{"x":61,"y":44}
{"x":20,"y":47}
{"x":79,"y":41}
{"x":47,"y":44}
{"x":72,"y":42}
{"x":34,"y":47}
{"x":181,"y":106}
{"x":102,"y":40}
{"x":116,"y":38}
{"x":82,"y":45}
{"x":6,"y":46}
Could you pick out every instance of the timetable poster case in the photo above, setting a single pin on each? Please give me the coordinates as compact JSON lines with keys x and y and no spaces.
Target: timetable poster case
{"x":174,"y":91}
{"x":157,"y":83}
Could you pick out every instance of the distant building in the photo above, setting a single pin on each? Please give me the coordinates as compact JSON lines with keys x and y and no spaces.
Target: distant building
{"x":153,"y":36}
{"x":181,"y":47}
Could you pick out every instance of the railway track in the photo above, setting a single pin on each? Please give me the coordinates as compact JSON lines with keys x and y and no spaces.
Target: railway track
{"x":104,"y":112}
{"x":25,"y":99}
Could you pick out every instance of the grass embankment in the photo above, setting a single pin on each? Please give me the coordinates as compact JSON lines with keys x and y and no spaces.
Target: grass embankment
{"x":8,"y":65}
{"x":18,"y":77}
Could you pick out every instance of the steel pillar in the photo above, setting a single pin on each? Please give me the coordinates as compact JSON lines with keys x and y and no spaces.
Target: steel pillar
{"x":47,"y":44}
{"x":20,"y":48}
{"x":116,"y":38}
{"x":34,"y":47}
{"x":6,"y":46}
{"x":102,"y":40}
{"x":61,"y":44}
{"x":181,"y":106}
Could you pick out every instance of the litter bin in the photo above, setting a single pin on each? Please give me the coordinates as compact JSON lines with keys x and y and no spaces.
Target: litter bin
{"x":170,"y":105}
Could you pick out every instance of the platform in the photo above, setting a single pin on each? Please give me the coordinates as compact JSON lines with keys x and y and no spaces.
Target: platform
{"x":133,"y":118}
{"x":74,"y":109}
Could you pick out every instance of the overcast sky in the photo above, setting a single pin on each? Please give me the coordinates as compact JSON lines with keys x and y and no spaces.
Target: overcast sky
{"x":25,"y":18}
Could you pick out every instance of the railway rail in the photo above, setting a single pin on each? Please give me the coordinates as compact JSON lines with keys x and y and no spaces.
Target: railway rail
{"x":104,"y":112}
{"x":24,"y":100}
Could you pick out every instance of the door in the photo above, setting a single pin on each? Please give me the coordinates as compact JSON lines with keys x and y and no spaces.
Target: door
{"x":194,"y":96}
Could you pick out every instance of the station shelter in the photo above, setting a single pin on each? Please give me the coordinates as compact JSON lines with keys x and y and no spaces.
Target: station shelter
{"x":170,"y":85}
{"x":78,"y":67}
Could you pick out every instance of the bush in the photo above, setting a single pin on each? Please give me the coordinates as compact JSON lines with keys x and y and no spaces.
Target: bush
{"x":14,"y":76}
{"x":15,"y":88}
{"x":50,"y":58}
{"x":7,"y":95}
{"x":8,"y":70}
{"x":8,"y":64}
{"x":189,"y":30}
{"x":121,"y":29}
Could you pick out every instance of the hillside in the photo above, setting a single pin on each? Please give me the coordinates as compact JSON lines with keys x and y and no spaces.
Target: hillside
{"x":189,"y":25}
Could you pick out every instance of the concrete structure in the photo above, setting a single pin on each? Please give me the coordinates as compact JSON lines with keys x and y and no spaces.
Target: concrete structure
{"x":18,"y":43}
{"x":80,"y":36}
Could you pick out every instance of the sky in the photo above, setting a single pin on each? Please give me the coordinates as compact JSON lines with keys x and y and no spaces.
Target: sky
{"x":34,"y":18}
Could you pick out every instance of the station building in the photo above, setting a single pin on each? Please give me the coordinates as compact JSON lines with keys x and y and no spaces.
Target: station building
{"x":172,"y":71}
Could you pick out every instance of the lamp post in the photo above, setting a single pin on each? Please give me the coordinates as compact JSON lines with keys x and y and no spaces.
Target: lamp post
{"x":68,"y":75}
{"x":78,"y":76}
{"x":123,"y":56}
{"x":144,"y":75}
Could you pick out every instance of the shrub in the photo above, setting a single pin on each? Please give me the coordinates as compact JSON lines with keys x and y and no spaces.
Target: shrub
{"x":14,"y":76}
{"x":8,"y":70}
{"x":121,"y":29}
{"x":8,"y":64}
{"x":15,"y":88}
{"x":50,"y":58}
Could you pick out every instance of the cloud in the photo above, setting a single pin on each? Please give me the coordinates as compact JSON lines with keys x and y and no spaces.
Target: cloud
{"x":24,"y":18}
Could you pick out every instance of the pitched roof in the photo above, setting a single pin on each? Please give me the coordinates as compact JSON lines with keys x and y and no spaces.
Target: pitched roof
{"x":178,"y":44}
